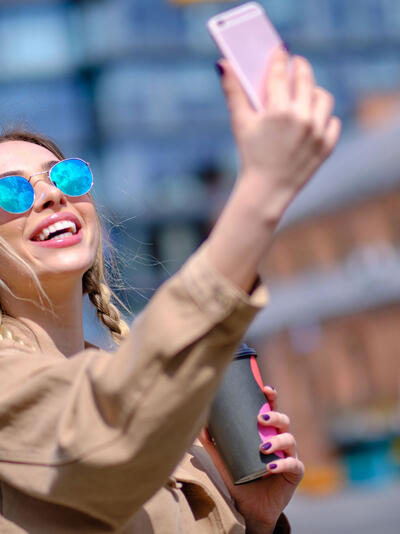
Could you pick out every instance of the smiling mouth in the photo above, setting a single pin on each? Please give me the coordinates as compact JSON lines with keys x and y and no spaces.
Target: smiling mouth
{"x":57,"y":230}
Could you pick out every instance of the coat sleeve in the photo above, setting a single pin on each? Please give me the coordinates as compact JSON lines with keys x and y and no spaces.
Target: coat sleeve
{"x":101,"y":432}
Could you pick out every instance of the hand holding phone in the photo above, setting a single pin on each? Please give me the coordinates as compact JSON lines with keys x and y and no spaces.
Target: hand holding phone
{"x":246,"y":37}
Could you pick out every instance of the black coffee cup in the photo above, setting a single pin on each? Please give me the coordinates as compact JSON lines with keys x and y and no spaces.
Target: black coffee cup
{"x":233,"y":422}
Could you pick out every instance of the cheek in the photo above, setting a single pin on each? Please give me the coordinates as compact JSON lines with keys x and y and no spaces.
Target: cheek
{"x":96,"y":239}
{"x":12,"y":232}
{"x":92,"y":224}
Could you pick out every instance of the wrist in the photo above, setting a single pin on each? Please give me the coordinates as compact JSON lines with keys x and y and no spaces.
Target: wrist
{"x":259,"y":527}
{"x":281,"y":526}
{"x":267,"y":196}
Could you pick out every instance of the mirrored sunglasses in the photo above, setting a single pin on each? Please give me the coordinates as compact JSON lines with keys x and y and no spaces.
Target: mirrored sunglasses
{"x":72,"y":176}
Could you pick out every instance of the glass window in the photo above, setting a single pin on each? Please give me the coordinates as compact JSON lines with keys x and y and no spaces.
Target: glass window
{"x":196,"y":35}
{"x":391,"y":17}
{"x":127,"y":178}
{"x":156,"y":23}
{"x":34,"y":41}
{"x":358,"y":19}
{"x":102,"y":29}
{"x":156,"y":177}
{"x":158,"y":97}
{"x":375,"y":74}
{"x":285,"y":14}
{"x":57,"y":108}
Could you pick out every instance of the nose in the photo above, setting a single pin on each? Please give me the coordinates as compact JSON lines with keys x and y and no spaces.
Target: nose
{"x":47,"y":195}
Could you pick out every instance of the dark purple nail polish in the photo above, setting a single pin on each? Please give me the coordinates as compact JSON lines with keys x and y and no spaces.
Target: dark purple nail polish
{"x":266,"y":417}
{"x":272,"y":466}
{"x":266,"y":446}
{"x":219,"y":68}
{"x":286,"y":46}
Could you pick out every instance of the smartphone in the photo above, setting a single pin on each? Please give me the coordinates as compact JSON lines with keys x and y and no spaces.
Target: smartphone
{"x":246,"y":37}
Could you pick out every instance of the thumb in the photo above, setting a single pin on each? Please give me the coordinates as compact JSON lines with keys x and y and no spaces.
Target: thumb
{"x":236,"y":97}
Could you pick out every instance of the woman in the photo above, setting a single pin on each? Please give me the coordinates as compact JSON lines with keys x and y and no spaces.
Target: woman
{"x":89,"y":440}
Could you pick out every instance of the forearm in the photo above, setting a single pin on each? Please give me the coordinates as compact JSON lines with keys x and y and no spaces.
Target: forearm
{"x":245,"y":229}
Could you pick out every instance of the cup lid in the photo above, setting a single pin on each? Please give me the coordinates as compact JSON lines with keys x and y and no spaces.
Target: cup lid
{"x":244,"y":351}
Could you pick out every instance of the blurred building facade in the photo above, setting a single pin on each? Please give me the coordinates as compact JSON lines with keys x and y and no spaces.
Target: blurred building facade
{"x":129,"y":85}
{"x":330,"y":338}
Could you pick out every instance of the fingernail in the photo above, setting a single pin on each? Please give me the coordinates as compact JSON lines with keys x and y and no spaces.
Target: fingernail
{"x":272,"y":466}
{"x":266,"y":446}
{"x":286,"y":46}
{"x":219,"y":68}
{"x":266,"y":417}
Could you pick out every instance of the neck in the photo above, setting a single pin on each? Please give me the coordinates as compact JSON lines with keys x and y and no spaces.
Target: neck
{"x":57,"y":331}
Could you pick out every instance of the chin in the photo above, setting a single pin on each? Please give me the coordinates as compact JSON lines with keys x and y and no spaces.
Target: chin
{"x":66,"y":265}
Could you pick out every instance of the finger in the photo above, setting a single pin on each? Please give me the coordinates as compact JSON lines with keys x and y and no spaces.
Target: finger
{"x":332,"y":134}
{"x":324,"y":146}
{"x":271,"y":395}
{"x":236,"y":98}
{"x":276,"y":93}
{"x":303,"y":86}
{"x":205,"y":437}
{"x":293,"y":469}
{"x":323,"y":104}
{"x":281,"y":442}
{"x":279,"y":420}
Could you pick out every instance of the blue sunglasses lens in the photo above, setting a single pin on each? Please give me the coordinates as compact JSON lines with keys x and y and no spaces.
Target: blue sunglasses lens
{"x":72,"y":176}
{"x":16,"y":194}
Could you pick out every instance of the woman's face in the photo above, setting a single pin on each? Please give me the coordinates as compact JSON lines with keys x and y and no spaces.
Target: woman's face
{"x":59,"y":258}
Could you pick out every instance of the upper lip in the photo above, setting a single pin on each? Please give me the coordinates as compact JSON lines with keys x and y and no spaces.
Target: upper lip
{"x":62,"y":216}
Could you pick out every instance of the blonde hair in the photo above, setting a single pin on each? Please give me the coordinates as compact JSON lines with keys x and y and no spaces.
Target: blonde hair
{"x":94,"y":281}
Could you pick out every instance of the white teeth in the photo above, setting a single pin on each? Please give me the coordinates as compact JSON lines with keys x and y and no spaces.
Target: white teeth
{"x":66,"y":234}
{"x":59,"y":225}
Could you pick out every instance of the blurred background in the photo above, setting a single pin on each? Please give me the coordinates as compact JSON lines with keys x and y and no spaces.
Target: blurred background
{"x":130,"y":86}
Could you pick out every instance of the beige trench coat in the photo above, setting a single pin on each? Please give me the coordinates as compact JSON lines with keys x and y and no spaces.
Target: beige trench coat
{"x":88,"y":444}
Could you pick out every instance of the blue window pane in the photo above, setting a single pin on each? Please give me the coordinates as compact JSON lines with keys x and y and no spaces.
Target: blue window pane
{"x":102,"y":29}
{"x":196,"y":36}
{"x":156,"y":176}
{"x":58,"y":108}
{"x":158,"y":97}
{"x":391,"y":17}
{"x":127,"y":178}
{"x":155,"y":22}
{"x":358,"y":19}
{"x":34,"y":41}
{"x":364,"y":75}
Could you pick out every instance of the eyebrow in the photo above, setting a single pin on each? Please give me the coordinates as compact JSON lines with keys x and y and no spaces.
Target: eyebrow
{"x":44,"y":167}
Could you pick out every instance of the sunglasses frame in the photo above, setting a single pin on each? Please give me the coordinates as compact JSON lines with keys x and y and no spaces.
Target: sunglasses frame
{"x":58,"y":163}
{"x":48,"y":171}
